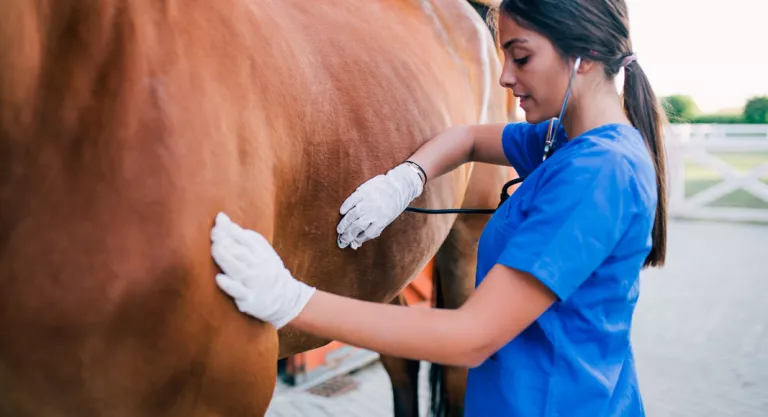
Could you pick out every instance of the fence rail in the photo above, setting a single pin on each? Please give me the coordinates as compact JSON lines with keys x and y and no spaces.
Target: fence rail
{"x":708,"y":146}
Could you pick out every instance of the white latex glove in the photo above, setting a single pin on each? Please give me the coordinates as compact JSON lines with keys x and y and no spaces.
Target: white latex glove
{"x":377,"y":203}
{"x":254,"y":275}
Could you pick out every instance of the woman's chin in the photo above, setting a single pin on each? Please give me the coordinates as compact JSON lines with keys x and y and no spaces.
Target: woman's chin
{"x":534,"y":117}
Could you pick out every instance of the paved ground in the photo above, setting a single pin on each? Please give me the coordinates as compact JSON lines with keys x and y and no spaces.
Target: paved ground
{"x":700,"y":334}
{"x":701,"y":327}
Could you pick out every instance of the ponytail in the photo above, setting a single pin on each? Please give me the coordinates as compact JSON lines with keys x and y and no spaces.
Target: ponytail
{"x":645,"y":113}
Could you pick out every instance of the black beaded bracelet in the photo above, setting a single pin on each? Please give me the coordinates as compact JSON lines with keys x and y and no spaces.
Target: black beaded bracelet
{"x":423,"y":173}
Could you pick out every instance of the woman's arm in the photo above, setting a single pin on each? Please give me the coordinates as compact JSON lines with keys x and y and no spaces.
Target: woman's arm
{"x":505,"y":303}
{"x":379,"y":201}
{"x":460,"y":144}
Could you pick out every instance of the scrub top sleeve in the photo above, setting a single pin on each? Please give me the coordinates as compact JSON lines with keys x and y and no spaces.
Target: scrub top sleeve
{"x":574,"y":222}
{"x":523,"y":145}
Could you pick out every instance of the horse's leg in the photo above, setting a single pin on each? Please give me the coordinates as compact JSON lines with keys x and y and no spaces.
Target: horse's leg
{"x":404,"y":376}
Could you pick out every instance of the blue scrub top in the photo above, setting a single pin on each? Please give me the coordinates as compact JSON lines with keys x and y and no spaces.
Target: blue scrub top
{"x":580,"y":223}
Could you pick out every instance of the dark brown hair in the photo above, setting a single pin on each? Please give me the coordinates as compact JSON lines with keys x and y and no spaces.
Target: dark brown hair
{"x":598,"y":30}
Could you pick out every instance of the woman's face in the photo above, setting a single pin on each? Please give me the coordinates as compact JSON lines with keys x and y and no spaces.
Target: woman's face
{"x":533,"y":70}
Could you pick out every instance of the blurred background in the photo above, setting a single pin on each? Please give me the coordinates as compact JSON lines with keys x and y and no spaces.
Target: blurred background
{"x":701,"y":326}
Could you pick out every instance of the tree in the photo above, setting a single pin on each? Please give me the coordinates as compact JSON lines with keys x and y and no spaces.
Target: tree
{"x":756,"y":110}
{"x":679,"y":108}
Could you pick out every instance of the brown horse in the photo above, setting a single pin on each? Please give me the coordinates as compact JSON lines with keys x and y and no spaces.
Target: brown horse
{"x":125,"y":125}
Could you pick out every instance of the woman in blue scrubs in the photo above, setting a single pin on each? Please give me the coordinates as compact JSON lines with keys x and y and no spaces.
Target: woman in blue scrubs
{"x":547,"y":331}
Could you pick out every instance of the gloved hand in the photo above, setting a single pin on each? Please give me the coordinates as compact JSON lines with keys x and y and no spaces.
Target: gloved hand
{"x":254,"y":275}
{"x":377,"y":203}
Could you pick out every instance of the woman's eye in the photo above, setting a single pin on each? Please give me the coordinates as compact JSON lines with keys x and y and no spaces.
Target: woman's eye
{"x":521,"y":61}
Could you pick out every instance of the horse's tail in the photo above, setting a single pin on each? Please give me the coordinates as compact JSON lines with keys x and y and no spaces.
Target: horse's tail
{"x":437,"y":389}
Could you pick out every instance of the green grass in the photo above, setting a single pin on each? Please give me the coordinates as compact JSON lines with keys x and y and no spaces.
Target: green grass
{"x":698,"y":178}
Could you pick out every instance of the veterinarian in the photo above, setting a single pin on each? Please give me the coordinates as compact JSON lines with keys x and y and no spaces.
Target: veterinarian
{"x":547,"y":331}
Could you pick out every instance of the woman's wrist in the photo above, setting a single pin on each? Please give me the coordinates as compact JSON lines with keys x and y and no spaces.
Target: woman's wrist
{"x":443,"y":153}
{"x":419,"y":170}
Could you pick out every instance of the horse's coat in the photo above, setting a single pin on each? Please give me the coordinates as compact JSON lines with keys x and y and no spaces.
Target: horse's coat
{"x":126,"y":125}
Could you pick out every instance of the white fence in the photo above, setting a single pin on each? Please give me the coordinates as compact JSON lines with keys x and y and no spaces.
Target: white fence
{"x":705,"y":146}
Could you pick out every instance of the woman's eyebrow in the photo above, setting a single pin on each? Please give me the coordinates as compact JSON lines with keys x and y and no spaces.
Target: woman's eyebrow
{"x":513,"y":41}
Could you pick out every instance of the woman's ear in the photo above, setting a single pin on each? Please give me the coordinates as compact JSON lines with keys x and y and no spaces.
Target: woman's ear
{"x":585,"y":66}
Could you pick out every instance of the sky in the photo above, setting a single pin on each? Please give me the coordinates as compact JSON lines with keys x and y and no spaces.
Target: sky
{"x":715,"y":51}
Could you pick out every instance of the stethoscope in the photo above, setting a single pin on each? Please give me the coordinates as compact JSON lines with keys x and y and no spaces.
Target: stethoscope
{"x":554,"y":123}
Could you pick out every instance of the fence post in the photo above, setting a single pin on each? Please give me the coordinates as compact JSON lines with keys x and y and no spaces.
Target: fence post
{"x":678,"y":137}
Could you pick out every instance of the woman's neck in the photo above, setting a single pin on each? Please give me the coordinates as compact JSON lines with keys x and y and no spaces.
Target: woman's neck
{"x":589,"y":109}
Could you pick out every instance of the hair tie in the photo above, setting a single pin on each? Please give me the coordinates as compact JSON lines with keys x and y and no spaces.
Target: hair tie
{"x":628,"y":59}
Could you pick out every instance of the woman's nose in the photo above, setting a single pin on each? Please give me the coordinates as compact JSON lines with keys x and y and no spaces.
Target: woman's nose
{"x":507,"y":79}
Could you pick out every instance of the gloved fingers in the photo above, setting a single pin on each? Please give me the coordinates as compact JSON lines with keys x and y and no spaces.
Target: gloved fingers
{"x":349,"y":219}
{"x":229,"y":255}
{"x":358,"y":241}
{"x":344,"y":239}
{"x":248,"y":238}
{"x":221,"y":227}
{"x":232,"y":287}
{"x":256,"y":243}
{"x":225,"y":225}
{"x":222,"y":219}
{"x":244,"y":257}
{"x":231,"y":235}
{"x":351,"y":201}
{"x":355,"y":229}
{"x":371,"y":232}
{"x":252,"y":244}
{"x":365,"y":191}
